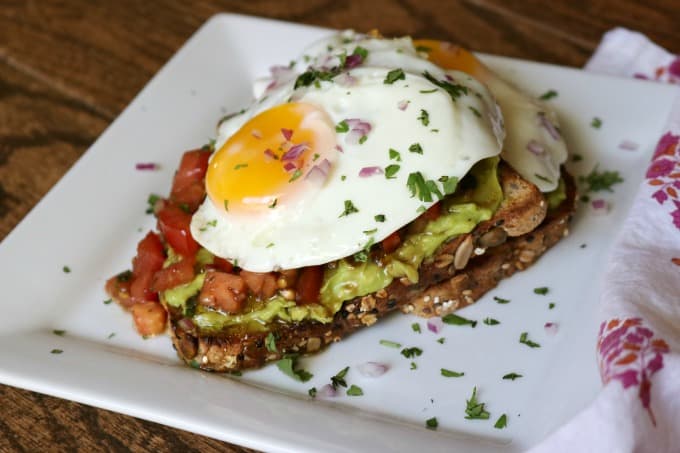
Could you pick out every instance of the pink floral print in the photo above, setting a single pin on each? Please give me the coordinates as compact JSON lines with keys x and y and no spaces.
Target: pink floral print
{"x":664,"y":174}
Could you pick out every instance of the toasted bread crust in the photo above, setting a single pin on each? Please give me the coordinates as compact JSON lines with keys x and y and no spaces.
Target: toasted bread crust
{"x":512,"y":240}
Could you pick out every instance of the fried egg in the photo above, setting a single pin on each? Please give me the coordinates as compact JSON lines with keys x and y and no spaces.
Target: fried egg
{"x":353,"y":142}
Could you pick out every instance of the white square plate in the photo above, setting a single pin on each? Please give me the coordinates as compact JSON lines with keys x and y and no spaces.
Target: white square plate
{"x":94,"y":216}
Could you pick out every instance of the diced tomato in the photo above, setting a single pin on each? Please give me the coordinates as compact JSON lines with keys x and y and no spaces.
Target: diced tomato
{"x":263,"y":285}
{"x":433,"y":212}
{"x":150,"y":255}
{"x":391,"y":242}
{"x":149,"y":317}
{"x":119,"y":289}
{"x":173,"y":275}
{"x":140,"y":289}
{"x":174,"y":224}
{"x":188,"y":186}
{"x":222,"y":265}
{"x":309,"y":284}
{"x":224,"y":291}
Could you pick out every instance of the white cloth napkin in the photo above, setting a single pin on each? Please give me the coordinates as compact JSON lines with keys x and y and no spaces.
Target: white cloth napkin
{"x":638,"y":409}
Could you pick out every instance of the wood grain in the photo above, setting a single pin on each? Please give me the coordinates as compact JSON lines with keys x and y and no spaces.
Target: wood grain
{"x":69,"y":67}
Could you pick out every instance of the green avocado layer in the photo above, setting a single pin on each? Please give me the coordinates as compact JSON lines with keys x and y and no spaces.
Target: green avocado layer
{"x":350,"y":278}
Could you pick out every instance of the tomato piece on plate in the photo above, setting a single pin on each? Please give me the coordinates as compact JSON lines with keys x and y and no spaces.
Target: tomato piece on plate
{"x":140,"y":288}
{"x":150,"y":255}
{"x":188,"y":187}
{"x":391,"y":242}
{"x":309,"y":284}
{"x":262,"y":284}
{"x":174,"y":275}
{"x":174,"y":224}
{"x":118,"y":287}
{"x":224,"y":291}
{"x":150,"y":318}
{"x":222,"y":265}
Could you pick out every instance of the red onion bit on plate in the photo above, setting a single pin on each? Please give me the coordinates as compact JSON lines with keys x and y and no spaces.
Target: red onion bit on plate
{"x":370,"y":171}
{"x":628,"y":145}
{"x":435,"y":325}
{"x":549,"y":126}
{"x":551,"y":328}
{"x":403,"y":105}
{"x":270,"y":154}
{"x":599,"y":206}
{"x":358,"y":130}
{"x":354,"y":60}
{"x":327,"y":391}
{"x":289,"y":166}
{"x":146,"y":166}
{"x":372,"y":369}
{"x":535,"y":148}
{"x":318,"y":174}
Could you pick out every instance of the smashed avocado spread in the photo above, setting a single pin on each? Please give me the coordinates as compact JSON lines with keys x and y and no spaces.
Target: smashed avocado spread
{"x":350,"y":278}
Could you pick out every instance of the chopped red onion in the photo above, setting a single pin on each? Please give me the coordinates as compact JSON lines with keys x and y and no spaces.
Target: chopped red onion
{"x":345,"y":79}
{"x":295,"y":151}
{"x":280,"y":75}
{"x":599,"y":206}
{"x":448,"y":77}
{"x":549,"y":126}
{"x":339,"y":148}
{"x":628,"y":145}
{"x":435,"y":324}
{"x":289,"y":166}
{"x":186,"y":325}
{"x":370,"y":171}
{"x":269,"y":153}
{"x":147,"y":166}
{"x":287,"y":133}
{"x":358,"y":124}
{"x":257,"y":134}
{"x":372,"y":369}
{"x":319,"y":173}
{"x":327,"y":391}
{"x":551,"y":328}
{"x":354,"y":136}
{"x":403,"y":105}
{"x":535,"y":148}
{"x":354,"y":60}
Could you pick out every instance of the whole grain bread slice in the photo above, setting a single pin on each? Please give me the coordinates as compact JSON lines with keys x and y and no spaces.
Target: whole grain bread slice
{"x":461,"y":271}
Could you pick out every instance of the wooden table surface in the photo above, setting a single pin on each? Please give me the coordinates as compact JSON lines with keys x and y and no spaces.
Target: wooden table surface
{"x":69,"y":67}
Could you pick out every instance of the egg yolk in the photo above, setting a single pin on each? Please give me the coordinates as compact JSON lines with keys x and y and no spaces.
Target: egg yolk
{"x":450,"y":56}
{"x":266,"y":162}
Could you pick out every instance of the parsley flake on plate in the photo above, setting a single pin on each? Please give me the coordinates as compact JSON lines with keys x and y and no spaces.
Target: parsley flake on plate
{"x":394,"y":75}
{"x":491,"y":321}
{"x":432,"y":423}
{"x":354,"y":390}
{"x":288,"y":366}
{"x":390,"y":344}
{"x":548,"y":95}
{"x":456,"y":320}
{"x":449,"y":373}
{"x":543,"y":290}
{"x":349,"y":209}
{"x":597,"y":181}
{"x":500,"y":300}
{"x":502,"y":422}
{"x":474,"y":410}
{"x":411,"y":352}
{"x":415,"y":327}
{"x":512,"y":376}
{"x":524,"y":339}
{"x":339,"y":378}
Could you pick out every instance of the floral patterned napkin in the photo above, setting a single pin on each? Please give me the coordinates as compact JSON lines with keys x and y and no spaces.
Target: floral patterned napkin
{"x":638,"y":348}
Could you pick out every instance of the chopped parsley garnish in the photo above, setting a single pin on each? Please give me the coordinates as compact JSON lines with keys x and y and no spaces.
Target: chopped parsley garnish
{"x":111,"y":335}
{"x":417,"y":185}
{"x":597,"y":181}
{"x":548,"y":95}
{"x":379,"y":218}
{"x":391,"y":170}
{"x":270,"y":342}
{"x":432,"y":423}
{"x":354,"y":390}
{"x":124,"y":276}
{"x":449,"y":184}
{"x":342,"y":126}
{"x":296,"y":174}
{"x":312,"y":392}
{"x":551,"y":305}
{"x":239,"y":166}
{"x":66,"y":269}
{"x":339,"y":379}
{"x":349,"y":209}
{"x":108,"y":301}
{"x":394,"y":155}
{"x":56,"y":351}
{"x":272,"y":205}
{"x":363,"y":53}
{"x":456,"y":320}
{"x":441,"y":340}
{"x":416,"y":148}
{"x":474,"y":410}
{"x":502,"y":422}
{"x":287,"y":365}
{"x":363,"y":139}
{"x":423,"y":49}
{"x":424,"y":118}
{"x":449,"y":373}
{"x":454,"y":90}
{"x":543,"y":178}
{"x":59,"y":332}
{"x":373,"y":231}
{"x":152,"y":200}
{"x":414,"y":366}
{"x":390,"y":344}
{"x":543,"y":290}
{"x":360,"y":256}
{"x":315,"y":157}
{"x":394,"y":75}
{"x":596,"y":123}
{"x":343,"y":177}
{"x":475,"y":111}
{"x":500,"y":300}
{"x":313,"y":76}
{"x":433,"y":90}
{"x":411,"y":352}
{"x":524,"y":339}
{"x":415,"y":327}
{"x":512,"y":376}
{"x":576,"y":158}
{"x":226,"y":205}
{"x":491,"y":321}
